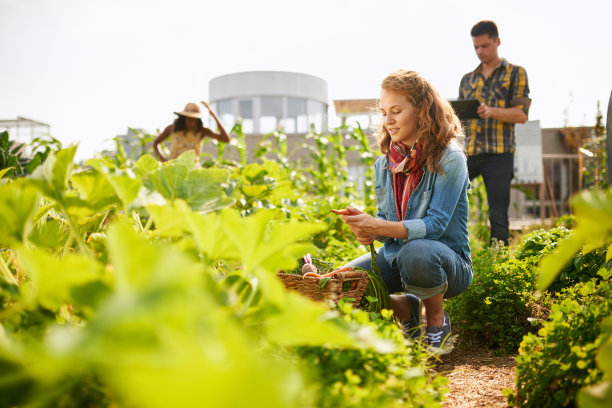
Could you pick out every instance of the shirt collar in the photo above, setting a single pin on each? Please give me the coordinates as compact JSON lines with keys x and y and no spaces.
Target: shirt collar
{"x":503,"y":63}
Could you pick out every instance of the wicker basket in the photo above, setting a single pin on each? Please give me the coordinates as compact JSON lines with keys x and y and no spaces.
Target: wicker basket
{"x":350,"y":284}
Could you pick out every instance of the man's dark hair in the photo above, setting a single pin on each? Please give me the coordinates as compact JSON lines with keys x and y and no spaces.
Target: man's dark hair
{"x":485,"y":27}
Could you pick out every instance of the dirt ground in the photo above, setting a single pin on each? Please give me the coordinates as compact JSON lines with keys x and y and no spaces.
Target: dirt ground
{"x":476,"y":376}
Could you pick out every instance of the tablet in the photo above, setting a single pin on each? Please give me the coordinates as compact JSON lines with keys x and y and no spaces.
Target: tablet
{"x":465,"y":109}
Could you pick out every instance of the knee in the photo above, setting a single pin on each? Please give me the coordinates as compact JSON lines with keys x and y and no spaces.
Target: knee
{"x":418,"y":254}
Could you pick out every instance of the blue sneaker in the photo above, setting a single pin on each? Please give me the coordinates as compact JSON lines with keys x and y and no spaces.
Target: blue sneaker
{"x":412,"y":328}
{"x":439,"y":338}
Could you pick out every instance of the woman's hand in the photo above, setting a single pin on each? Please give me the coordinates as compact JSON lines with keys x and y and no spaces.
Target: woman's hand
{"x":222,"y":136}
{"x":206,"y":105}
{"x":361,"y":224}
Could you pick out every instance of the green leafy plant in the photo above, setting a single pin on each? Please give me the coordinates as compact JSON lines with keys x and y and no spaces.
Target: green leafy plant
{"x":499,"y":304}
{"x":273,"y":146}
{"x":593,"y":211}
{"x":367,"y":158}
{"x":13,"y":163}
{"x":362,"y":377}
{"x":478,"y":210}
{"x":147,"y":286}
{"x":564,"y":348}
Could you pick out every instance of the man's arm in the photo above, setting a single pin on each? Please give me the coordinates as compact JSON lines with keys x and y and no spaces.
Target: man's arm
{"x":519,"y":103}
{"x":515,"y":114}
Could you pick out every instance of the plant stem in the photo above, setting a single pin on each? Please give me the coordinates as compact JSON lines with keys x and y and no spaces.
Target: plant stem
{"x":6,"y":272}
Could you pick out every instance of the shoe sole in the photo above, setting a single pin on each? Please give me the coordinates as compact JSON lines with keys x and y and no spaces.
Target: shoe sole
{"x":446,"y":348}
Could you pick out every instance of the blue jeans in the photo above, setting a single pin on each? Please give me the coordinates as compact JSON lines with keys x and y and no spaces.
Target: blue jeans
{"x":423,"y":267}
{"x":497,"y":171}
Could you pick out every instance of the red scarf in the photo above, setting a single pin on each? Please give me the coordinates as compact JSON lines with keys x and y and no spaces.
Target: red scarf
{"x":405,"y":166}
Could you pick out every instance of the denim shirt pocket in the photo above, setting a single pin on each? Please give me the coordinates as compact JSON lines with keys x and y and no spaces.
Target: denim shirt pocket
{"x":423,"y":205}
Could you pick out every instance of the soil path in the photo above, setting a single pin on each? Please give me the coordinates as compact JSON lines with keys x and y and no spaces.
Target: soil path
{"x":476,"y":376}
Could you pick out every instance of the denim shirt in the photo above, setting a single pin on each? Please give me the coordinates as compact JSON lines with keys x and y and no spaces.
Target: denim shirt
{"x":436,"y":210}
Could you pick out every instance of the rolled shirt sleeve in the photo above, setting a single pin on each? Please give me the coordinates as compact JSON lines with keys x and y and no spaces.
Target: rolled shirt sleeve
{"x":520,"y":91}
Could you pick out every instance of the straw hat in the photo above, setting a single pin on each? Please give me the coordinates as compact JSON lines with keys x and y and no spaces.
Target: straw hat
{"x":191,"y":111}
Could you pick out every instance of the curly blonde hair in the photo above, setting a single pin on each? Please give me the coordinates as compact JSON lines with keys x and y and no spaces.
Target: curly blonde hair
{"x":437,"y":125}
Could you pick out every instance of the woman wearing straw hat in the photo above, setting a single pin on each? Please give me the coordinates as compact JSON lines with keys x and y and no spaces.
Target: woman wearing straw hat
{"x":188,"y":131}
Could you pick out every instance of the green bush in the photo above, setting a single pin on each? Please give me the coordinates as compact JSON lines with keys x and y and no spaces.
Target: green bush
{"x":497,"y":306}
{"x":12,"y":161}
{"x":540,"y":242}
{"x":566,"y":220}
{"x":366,"y":377}
{"x":582,"y":268}
{"x":564,"y":348}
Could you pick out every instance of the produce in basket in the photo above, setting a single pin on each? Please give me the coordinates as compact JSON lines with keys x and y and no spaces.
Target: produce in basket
{"x":308,"y":266}
{"x":326,"y":283}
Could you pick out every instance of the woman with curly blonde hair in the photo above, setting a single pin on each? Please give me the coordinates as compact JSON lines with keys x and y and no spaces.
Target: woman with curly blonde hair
{"x":421,"y":189}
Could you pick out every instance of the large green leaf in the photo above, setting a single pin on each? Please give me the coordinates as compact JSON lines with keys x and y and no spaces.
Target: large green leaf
{"x":18,"y":204}
{"x":145,"y":164}
{"x":208,"y":231}
{"x":93,"y":187}
{"x":295,"y":323}
{"x":167,"y":180}
{"x":51,"y":234}
{"x":170,"y":220}
{"x":55,"y":172}
{"x":53,"y":279}
{"x":204,"y":190}
{"x":593,"y":212}
{"x":201,"y":189}
{"x":267,"y":180}
{"x":268,"y":242}
{"x":138,"y":263}
{"x":126,"y":187}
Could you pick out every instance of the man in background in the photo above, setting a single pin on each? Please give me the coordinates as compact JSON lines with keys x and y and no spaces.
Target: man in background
{"x":503,"y":93}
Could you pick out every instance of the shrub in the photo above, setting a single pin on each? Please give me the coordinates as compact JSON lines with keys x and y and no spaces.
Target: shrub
{"x":367,"y":377}
{"x":564,"y":348}
{"x":15,"y":163}
{"x":497,"y":306}
{"x":540,"y":242}
{"x":582,"y":268}
{"x":566,"y":220}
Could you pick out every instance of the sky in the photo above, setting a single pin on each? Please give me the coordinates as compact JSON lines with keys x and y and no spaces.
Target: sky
{"x":91,"y":68}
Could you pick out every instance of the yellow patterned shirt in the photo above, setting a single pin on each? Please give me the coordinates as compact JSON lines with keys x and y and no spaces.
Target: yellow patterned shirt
{"x":182,"y":141}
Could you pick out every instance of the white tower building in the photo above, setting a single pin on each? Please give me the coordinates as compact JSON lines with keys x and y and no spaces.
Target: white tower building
{"x":266,"y":101}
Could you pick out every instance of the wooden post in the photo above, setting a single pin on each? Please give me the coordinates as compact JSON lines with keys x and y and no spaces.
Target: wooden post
{"x":580,"y":170}
{"x":551,"y":194}
{"x":609,"y":139}
{"x":542,"y":194}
